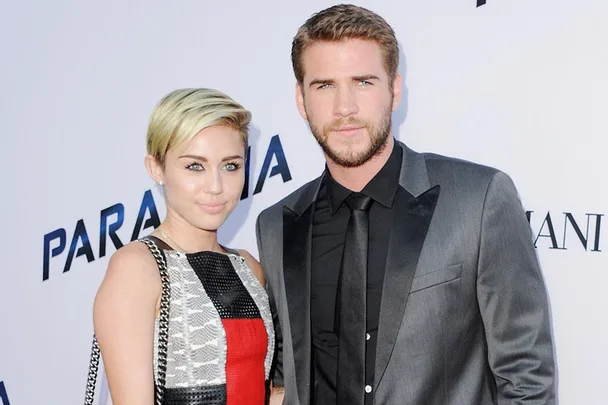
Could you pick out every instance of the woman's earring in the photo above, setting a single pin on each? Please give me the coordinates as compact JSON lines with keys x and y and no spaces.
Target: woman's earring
{"x":160,"y":183}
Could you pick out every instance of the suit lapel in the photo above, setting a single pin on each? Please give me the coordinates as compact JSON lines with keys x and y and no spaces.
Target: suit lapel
{"x":297,"y":246}
{"x":411,"y":222}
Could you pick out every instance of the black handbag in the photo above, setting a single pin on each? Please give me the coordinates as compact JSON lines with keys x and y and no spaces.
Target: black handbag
{"x":163,"y":334}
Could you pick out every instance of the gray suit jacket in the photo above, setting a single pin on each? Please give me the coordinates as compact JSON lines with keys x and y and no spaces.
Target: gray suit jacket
{"x":464,"y":318}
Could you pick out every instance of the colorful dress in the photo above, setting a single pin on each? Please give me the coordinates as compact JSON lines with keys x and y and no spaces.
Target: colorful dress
{"x":221,"y":337}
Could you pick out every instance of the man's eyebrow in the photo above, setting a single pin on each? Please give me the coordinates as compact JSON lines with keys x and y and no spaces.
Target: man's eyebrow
{"x":321,"y":81}
{"x":365,"y":77}
{"x":357,"y":78}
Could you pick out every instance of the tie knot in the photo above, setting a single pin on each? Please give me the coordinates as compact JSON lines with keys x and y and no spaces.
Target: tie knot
{"x":358,"y":201}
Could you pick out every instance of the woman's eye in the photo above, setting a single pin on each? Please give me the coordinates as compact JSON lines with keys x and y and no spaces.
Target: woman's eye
{"x":195,"y":166}
{"x":231,"y":166}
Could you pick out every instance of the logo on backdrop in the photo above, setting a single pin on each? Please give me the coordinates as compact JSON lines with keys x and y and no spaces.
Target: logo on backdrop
{"x":481,"y":3}
{"x":566,"y":231}
{"x":111,"y":218}
{"x":3,"y":394}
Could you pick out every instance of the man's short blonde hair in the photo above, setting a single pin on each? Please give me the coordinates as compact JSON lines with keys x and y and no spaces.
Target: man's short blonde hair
{"x":343,"y":22}
{"x":183,"y":113}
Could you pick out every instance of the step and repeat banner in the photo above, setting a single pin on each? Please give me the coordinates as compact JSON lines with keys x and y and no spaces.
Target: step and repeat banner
{"x":515,"y":84}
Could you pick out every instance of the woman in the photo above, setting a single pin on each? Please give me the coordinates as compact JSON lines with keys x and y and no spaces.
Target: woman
{"x":220,"y":335}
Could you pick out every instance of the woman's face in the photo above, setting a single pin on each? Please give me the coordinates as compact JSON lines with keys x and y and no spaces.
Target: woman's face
{"x":203,"y":180}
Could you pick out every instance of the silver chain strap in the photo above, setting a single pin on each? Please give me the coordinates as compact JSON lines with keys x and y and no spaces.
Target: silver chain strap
{"x":163,"y":321}
{"x":92,"y":378}
{"x":163,"y":334}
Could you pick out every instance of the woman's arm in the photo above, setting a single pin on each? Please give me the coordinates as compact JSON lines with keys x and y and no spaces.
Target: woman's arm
{"x":277,"y":394}
{"x":124,"y":313}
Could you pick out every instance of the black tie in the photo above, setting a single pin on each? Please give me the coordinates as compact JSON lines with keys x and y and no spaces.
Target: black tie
{"x":353,"y":291}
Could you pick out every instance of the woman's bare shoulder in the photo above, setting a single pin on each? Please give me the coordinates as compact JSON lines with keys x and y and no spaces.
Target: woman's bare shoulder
{"x":133,"y":259}
{"x":130,"y":267}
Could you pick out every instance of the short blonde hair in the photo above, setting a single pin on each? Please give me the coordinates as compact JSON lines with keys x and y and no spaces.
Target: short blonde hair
{"x":343,"y":22}
{"x":183,"y":113}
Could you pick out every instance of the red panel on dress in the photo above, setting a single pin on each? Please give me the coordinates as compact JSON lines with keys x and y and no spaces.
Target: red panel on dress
{"x":247,"y":341}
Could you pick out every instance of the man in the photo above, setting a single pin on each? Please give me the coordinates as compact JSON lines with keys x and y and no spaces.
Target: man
{"x":396,"y":277}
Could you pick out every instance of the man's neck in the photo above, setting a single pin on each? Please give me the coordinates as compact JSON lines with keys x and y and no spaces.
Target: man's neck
{"x":356,"y":178}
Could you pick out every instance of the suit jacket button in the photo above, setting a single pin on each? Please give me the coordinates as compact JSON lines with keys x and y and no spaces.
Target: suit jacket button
{"x":368,"y":388}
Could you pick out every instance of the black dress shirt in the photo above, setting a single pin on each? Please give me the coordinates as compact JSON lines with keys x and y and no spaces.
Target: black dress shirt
{"x":330,"y":220}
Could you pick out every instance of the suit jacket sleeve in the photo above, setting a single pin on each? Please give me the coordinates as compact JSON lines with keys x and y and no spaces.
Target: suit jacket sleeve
{"x":513,"y":301}
{"x":276,"y":372}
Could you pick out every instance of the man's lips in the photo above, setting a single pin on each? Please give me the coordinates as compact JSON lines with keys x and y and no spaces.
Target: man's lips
{"x":350,"y":130}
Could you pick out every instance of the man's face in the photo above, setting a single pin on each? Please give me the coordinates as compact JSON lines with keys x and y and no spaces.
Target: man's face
{"x":347,"y":98}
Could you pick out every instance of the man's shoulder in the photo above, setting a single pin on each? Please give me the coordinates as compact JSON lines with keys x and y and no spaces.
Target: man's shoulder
{"x":290,"y":200}
{"x":458,"y":163}
{"x":456,"y":168}
{"x":462,"y":177}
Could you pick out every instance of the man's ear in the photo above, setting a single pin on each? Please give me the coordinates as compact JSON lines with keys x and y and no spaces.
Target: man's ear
{"x":397,"y":87}
{"x":300,"y":100}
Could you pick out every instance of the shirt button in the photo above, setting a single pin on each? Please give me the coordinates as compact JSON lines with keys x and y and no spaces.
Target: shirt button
{"x":368,"y":388}
{"x":367,"y":336}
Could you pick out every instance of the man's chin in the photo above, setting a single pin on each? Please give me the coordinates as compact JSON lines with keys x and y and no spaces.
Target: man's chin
{"x":352,"y":157}
{"x":348,"y":159}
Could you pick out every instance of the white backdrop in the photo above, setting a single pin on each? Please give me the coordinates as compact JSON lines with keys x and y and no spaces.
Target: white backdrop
{"x":515,"y":84}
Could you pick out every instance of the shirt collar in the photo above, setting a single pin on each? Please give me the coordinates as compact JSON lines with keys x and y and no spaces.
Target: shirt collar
{"x":381,"y":188}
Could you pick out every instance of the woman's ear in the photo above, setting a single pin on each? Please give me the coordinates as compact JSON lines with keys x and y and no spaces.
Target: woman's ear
{"x":154,"y":169}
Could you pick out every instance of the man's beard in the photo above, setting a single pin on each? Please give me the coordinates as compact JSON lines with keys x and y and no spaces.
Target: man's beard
{"x":378,"y":135}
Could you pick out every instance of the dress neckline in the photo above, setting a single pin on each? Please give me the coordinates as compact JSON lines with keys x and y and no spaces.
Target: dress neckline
{"x":166,"y":247}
